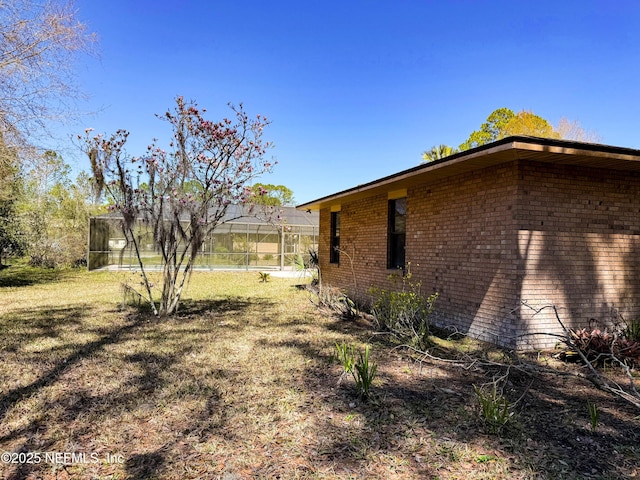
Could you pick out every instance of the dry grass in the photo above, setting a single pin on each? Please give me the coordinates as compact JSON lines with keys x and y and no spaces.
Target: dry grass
{"x":243,"y":384}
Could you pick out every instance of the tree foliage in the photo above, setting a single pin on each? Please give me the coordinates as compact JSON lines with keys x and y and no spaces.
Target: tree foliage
{"x":489,"y":131}
{"x":274,"y":195}
{"x":528,"y":123}
{"x":53,"y":213}
{"x":39,"y":43}
{"x":503,"y":123}
{"x":11,"y":241}
{"x":438,"y":152}
{"x":209,"y":166}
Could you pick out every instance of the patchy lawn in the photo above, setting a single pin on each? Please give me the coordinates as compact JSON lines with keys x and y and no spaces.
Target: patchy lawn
{"x":243,"y":383}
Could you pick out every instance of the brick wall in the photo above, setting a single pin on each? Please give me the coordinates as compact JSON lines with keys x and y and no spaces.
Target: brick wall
{"x":460,"y":239}
{"x":363,"y":245}
{"x":579,"y":246}
{"x":488,"y":240}
{"x":459,"y":242}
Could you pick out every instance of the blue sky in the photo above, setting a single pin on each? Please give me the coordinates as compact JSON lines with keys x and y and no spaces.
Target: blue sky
{"x":357,"y":90}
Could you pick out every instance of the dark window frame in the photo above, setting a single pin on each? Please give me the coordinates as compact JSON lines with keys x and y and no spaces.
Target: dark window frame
{"x":334,"y":242}
{"x":397,"y":233}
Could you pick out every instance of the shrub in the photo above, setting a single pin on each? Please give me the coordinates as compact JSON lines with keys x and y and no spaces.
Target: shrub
{"x":598,"y":346}
{"x":404,"y":313}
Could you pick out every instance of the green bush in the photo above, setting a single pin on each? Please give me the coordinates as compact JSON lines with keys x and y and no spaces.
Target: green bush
{"x":404,"y":313}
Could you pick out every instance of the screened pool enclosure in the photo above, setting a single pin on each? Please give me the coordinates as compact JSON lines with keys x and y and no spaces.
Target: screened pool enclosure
{"x":241,"y":241}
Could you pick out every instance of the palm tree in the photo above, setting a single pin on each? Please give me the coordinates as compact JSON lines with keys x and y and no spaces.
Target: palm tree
{"x":438,"y":152}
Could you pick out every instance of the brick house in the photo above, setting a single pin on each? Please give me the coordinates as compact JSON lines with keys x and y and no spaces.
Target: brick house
{"x":520,"y":221}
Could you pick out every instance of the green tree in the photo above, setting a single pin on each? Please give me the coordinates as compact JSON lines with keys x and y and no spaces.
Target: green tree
{"x":54,"y":213}
{"x":528,"y":123}
{"x":272,"y":195}
{"x":9,"y":169}
{"x":489,"y":131}
{"x":11,"y":240}
{"x":438,"y":152}
{"x":503,"y":123}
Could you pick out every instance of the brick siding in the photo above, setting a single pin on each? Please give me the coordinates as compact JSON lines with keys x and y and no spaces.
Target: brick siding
{"x":491,"y":239}
{"x":579,"y":241}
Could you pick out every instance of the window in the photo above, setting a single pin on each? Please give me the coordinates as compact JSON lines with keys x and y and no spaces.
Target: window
{"x":397,"y":232}
{"x":334,"y":254}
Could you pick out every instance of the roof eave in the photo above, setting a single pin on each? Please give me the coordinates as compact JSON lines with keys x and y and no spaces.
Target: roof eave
{"x":502,"y":151}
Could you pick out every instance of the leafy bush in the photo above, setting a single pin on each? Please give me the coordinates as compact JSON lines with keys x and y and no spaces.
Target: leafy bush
{"x":598,"y":346}
{"x":405,"y":313}
{"x":68,"y":251}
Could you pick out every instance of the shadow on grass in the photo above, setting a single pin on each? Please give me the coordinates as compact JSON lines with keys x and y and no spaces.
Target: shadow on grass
{"x":52,"y":374}
{"x":189,"y":309}
{"x":145,"y":465}
{"x":433,"y":418}
{"x":133,"y":368}
{"x":22,"y":327}
{"x":21,"y":275}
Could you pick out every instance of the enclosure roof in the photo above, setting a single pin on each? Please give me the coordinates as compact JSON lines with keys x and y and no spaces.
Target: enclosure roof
{"x":506,"y":150}
{"x":260,"y":214}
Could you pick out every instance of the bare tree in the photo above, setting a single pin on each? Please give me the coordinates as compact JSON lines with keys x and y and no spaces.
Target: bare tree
{"x":39,"y":43}
{"x":181,"y":194}
{"x":572,"y":130}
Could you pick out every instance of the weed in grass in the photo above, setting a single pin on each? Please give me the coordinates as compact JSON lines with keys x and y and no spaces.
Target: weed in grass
{"x":485,"y":458}
{"x":495,"y":409}
{"x":594,"y":415}
{"x":364,"y":373}
{"x":450,"y":450}
{"x":346,"y":356}
{"x":362,"y":369}
{"x":264,"y":277}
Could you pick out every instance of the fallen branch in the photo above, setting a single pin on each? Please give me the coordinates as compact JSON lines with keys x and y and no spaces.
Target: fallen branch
{"x":595,"y":377}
